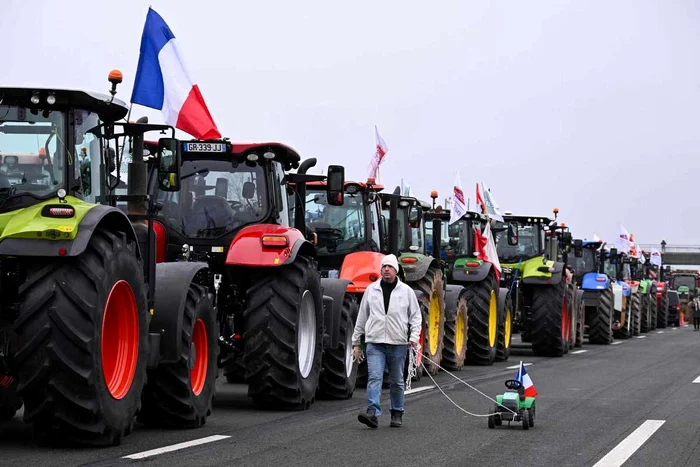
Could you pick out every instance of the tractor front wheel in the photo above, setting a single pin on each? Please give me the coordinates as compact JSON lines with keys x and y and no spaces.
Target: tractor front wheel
{"x":551,"y":320}
{"x":81,"y":341}
{"x":433,"y":301}
{"x":600,"y":328}
{"x":456,"y":332}
{"x":505,"y":325}
{"x":339,"y":374}
{"x":283,"y":324}
{"x":482,"y":306}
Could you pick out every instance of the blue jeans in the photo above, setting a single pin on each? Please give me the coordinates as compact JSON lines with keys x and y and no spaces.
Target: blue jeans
{"x":393,"y":356}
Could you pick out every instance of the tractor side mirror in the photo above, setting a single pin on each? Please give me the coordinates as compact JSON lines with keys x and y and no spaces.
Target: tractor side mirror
{"x":169,"y":161}
{"x":613,"y":252}
{"x":335,"y":184}
{"x":566,"y":238}
{"x":578,"y":248}
{"x":512,"y":233}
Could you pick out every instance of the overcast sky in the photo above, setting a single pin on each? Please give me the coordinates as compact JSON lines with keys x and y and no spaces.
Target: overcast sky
{"x":591,"y":106}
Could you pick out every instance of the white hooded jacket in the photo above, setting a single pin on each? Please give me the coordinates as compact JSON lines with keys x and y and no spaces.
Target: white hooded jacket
{"x":390,"y":327}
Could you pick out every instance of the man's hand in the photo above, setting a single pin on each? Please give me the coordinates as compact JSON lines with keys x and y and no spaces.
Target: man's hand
{"x":356,"y":353}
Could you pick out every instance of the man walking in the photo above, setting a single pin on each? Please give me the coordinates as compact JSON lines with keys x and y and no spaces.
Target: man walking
{"x":388,"y":312}
{"x":695,"y":309}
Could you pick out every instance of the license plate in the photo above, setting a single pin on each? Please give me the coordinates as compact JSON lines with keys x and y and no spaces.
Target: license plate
{"x":205,"y":147}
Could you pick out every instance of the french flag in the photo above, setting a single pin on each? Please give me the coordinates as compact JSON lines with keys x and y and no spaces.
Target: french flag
{"x":525,"y":380}
{"x":163,"y":82}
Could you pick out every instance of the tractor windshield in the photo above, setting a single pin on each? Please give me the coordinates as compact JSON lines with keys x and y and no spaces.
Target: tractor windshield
{"x":458,"y":239}
{"x":339,"y":229}
{"x":216,"y":198}
{"x":32,"y":152}
{"x":688,"y":281}
{"x":530,"y":243}
{"x":610,"y":269}
{"x":585,"y":264}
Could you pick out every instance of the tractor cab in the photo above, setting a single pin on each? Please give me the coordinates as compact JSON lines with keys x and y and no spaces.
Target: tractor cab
{"x":411,"y":228}
{"x":355,"y":225}
{"x":686,"y":284}
{"x":586,"y":258}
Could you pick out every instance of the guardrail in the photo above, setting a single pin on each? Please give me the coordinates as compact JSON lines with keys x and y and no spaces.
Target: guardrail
{"x":672,"y":248}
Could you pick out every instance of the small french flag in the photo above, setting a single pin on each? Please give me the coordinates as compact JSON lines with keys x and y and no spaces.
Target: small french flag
{"x":163,"y":82}
{"x":525,"y":380}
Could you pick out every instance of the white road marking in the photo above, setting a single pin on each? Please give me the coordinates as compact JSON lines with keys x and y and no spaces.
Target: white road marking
{"x":659,"y":332}
{"x":415,"y":390}
{"x":515,"y":367}
{"x":641,"y":337}
{"x":629,"y":445}
{"x":697,"y":380}
{"x":616,"y":343}
{"x":579,"y":351}
{"x":175,"y":447}
{"x":674,"y":329}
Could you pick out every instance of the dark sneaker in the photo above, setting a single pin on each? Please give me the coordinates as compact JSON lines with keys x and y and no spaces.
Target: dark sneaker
{"x":396,"y":418}
{"x":368,"y":418}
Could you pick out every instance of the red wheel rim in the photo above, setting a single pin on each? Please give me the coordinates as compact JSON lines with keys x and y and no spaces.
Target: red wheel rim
{"x":200,"y":353}
{"x":419,"y":355}
{"x":565,"y":322}
{"x":120,"y":339}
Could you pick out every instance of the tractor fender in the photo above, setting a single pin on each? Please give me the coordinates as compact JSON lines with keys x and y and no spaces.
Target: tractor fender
{"x":335,"y":289}
{"x":172,"y":284}
{"x":553,"y":279}
{"x":465,"y":274}
{"x":361,"y":268}
{"x":102,"y":216}
{"x":591,"y":297}
{"x":416,"y":271}
{"x":246,"y":248}
{"x":595,"y":281}
{"x":452,"y":294}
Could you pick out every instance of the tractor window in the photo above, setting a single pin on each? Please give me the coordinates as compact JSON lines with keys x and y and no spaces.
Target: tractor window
{"x":340,"y":229}
{"x":679,"y":281}
{"x":458,"y":239}
{"x":585,"y":264}
{"x":529,"y":243}
{"x":281,"y":195}
{"x":32,"y":151}
{"x":216,"y":198}
{"x":374,"y":219}
{"x":610,"y":269}
{"x":87,"y":150}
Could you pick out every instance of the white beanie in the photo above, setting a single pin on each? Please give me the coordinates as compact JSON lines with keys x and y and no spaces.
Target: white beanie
{"x":391,"y":260}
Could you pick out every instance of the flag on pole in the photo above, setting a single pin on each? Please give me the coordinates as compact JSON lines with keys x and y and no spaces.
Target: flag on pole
{"x":490,"y":203}
{"x":405,"y":188}
{"x":480,"y":201}
{"x":525,"y":380}
{"x":491,"y":253}
{"x":622,"y":242}
{"x":596,"y":238}
{"x":458,"y":208}
{"x":380,"y":151}
{"x":655,"y":257}
{"x":163,"y":82}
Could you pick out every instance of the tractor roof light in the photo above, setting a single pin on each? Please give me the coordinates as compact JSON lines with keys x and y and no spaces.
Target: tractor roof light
{"x":51,"y":99}
{"x":404,"y":204}
{"x":269,"y":155}
{"x":35,"y":98}
{"x":252,"y":157}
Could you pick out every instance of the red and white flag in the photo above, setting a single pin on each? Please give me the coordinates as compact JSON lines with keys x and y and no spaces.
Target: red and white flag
{"x":525,"y":380}
{"x":480,"y":200}
{"x":379,"y":153}
{"x":459,"y":207}
{"x":485,"y":247}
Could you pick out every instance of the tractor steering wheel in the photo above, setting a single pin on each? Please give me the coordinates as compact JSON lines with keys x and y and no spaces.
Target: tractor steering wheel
{"x":514,"y":384}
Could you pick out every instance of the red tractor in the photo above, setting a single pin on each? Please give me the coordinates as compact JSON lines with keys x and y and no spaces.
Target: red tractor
{"x":284,"y":330}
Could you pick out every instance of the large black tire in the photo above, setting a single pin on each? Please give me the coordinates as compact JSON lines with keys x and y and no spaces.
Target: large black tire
{"x":10,"y":402}
{"x":505,"y":325}
{"x":600,"y":327}
{"x":339,"y":372}
{"x":625,"y":331}
{"x":455,"y":348}
{"x":548,"y":304}
{"x":645,"y":312}
{"x":637,"y":313}
{"x":654,"y":312}
{"x":571,"y":300}
{"x":180,"y":394}
{"x":233,"y":368}
{"x":279,"y":299}
{"x":58,"y":348}
{"x":580,"y":318}
{"x":662,"y":312}
{"x":482,"y":306}
{"x":432,"y":286}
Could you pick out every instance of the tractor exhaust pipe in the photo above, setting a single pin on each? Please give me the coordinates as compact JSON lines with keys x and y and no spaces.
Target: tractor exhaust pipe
{"x":306,"y":165}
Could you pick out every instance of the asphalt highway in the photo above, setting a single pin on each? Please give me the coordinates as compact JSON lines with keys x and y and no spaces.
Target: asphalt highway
{"x":635,"y":403}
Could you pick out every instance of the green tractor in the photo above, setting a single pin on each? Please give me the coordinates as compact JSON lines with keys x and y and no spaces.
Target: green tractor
{"x":533,"y":252}
{"x":93,"y":332}
{"x":647,"y":291}
{"x":489,"y":306}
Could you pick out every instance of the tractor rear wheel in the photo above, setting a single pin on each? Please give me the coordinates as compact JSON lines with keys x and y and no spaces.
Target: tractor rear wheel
{"x":482,"y":306}
{"x":456,"y":332}
{"x":644,"y":313}
{"x":339,"y":374}
{"x":600,"y":328}
{"x":636,"y":313}
{"x":432,"y":286}
{"x":662,"y":312}
{"x":580,"y":316}
{"x":10,"y":403}
{"x":283,"y":335}
{"x":653,"y":315}
{"x":81,"y":341}
{"x":180,"y":394}
{"x":505,"y":325}
{"x":550,"y":320}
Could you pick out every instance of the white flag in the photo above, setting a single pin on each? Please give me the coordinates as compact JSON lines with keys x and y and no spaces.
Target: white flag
{"x":491,"y":250}
{"x":405,"y":189}
{"x":459,"y":208}
{"x":379,"y":153}
{"x":622,"y":242}
{"x":491,"y":206}
{"x":596,"y":238}
{"x":655,"y":257}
